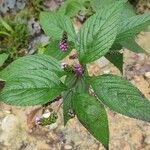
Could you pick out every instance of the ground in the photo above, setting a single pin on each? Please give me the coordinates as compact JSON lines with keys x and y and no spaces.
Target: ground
{"x":19,"y":132}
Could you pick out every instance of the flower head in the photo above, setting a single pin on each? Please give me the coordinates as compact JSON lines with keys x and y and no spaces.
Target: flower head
{"x":63,"y":44}
{"x":78,"y":69}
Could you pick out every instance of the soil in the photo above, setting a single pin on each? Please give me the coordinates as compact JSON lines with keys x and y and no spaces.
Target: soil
{"x":18,"y":130}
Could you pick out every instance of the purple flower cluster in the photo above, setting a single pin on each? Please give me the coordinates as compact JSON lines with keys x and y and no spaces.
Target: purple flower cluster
{"x":63,"y":45}
{"x":78,"y":69}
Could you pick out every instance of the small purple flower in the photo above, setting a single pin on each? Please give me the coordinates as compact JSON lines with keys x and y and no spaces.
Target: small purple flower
{"x":63,"y":45}
{"x":78,"y":69}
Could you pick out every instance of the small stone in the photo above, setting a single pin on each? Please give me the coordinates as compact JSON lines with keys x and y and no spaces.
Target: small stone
{"x":52,"y":126}
{"x":147,"y":74}
{"x":46,"y":115}
{"x":34,"y":26}
{"x":11,"y":128}
{"x":106,"y":71}
{"x":147,"y":140}
{"x":7,"y":112}
{"x":137,"y":78}
{"x":68,"y":147}
{"x":102,"y":62}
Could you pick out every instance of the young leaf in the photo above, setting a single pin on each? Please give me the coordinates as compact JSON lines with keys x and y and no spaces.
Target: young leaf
{"x":91,"y":113}
{"x":31,"y":87}
{"x":67,"y":105}
{"x":71,"y":7}
{"x":55,"y":24}
{"x":68,"y":96}
{"x":116,"y":58}
{"x":121,"y":96}
{"x":75,"y":85}
{"x":131,"y":26}
{"x":98,"y":33}
{"x":32,"y":62}
{"x":3,"y":58}
{"x":54,"y":51}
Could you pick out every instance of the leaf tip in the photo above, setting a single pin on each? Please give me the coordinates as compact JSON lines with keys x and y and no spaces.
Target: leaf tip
{"x":106,"y":147}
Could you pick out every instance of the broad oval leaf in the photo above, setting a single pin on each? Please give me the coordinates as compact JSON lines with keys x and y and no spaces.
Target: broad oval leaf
{"x":54,"y":24}
{"x":32,"y":62}
{"x":121,"y":96}
{"x":98,"y":33}
{"x":91,"y":113}
{"x":31,"y":87}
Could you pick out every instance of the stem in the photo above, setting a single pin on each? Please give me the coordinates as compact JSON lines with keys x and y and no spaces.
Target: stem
{"x":59,"y":106}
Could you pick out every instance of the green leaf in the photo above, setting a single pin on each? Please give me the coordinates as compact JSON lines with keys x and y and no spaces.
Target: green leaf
{"x":99,"y":4}
{"x":121,"y":96}
{"x":129,"y":27}
{"x":98,"y":33}
{"x":67,"y":105}
{"x":70,"y":80}
{"x":116,"y":46}
{"x":91,"y":113}
{"x":68,"y":96}
{"x":54,"y":51}
{"x":71,"y":7}
{"x":3,"y":58}
{"x":128,"y":11}
{"x":6,"y":25}
{"x":116,"y":58}
{"x":131,"y":45}
{"x":55,"y":24}
{"x":31,"y":87}
{"x":81,"y":86}
{"x":75,"y":85}
{"x":32,"y":62}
